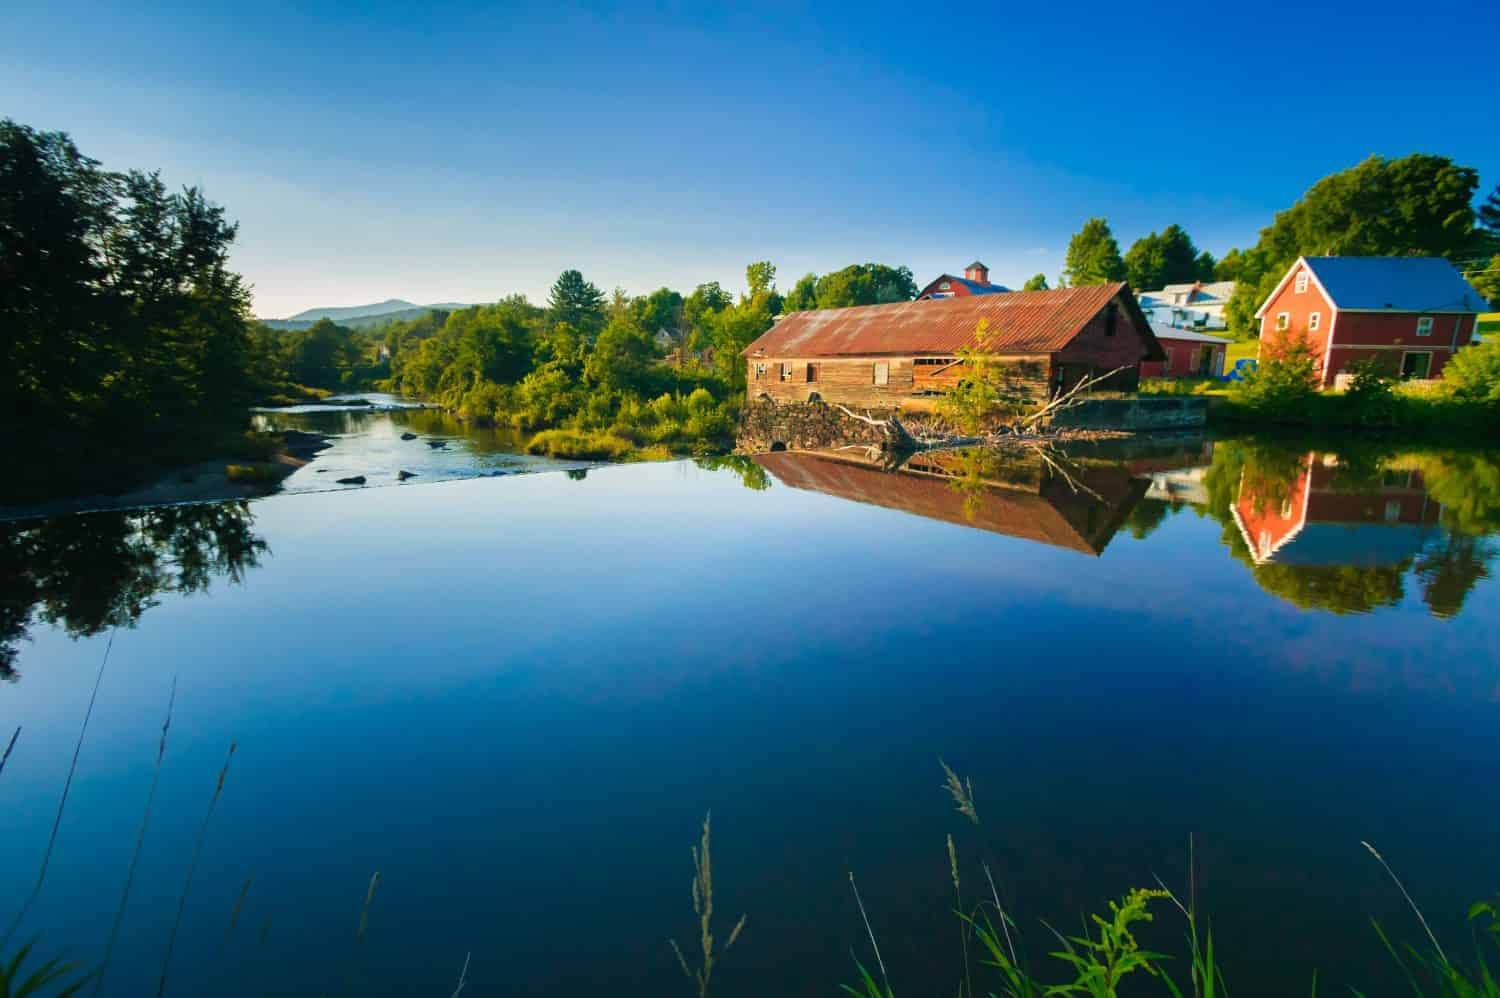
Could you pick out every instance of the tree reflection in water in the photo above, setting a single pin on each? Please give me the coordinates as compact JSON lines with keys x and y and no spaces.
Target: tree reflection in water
{"x":93,"y":572}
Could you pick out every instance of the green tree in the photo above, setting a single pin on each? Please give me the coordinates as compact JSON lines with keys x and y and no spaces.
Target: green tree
{"x":760,"y":277}
{"x":661,"y":310}
{"x":1093,"y":256}
{"x":1285,"y":378}
{"x":1489,"y":214}
{"x":1228,"y":267}
{"x":622,"y":356}
{"x":1158,"y":260}
{"x":1036,"y":282}
{"x":1486,"y":280}
{"x":1474,"y":373}
{"x":1418,"y":205}
{"x":575,"y":301}
{"x":804,"y":294}
{"x":865,"y":284}
{"x":1206,"y":267}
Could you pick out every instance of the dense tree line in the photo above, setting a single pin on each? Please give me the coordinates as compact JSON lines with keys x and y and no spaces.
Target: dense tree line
{"x":125,"y":330}
{"x":1418,"y":205}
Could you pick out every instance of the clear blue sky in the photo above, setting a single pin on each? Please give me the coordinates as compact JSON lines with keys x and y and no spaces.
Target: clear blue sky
{"x":466,"y":152}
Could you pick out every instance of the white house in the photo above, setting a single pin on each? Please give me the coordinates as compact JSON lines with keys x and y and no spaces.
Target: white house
{"x":1188,"y":306}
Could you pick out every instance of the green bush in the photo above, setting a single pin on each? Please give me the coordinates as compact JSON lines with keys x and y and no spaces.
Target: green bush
{"x":1474,"y":373}
{"x":1285,"y":380}
{"x":582,"y":445}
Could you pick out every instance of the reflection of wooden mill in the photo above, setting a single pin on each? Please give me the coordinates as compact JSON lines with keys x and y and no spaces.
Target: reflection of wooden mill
{"x":1021,"y":493}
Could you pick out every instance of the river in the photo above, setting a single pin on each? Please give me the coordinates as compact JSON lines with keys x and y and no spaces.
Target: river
{"x":516,"y":698}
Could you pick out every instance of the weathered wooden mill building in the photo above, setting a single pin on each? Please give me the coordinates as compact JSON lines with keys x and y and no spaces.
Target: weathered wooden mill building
{"x":889,"y":355}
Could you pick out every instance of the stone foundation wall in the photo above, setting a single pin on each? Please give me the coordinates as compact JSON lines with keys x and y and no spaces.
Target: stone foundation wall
{"x":767,"y":426}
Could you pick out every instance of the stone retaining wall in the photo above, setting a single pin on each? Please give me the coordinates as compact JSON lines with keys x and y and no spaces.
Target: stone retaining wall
{"x":766,"y":425}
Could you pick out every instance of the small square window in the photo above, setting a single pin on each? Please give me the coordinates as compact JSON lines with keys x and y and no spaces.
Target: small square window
{"x":812,"y":372}
{"x":882,"y":373}
{"x":1424,"y":326}
{"x":1301,"y":283}
{"x":760,"y":371}
{"x":787,"y":367}
{"x":1313,"y":321}
{"x":1283,"y":321}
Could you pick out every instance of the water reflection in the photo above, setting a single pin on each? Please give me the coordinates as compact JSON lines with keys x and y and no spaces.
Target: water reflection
{"x":1067,"y":502}
{"x":1342,"y":532}
{"x":87,"y":574}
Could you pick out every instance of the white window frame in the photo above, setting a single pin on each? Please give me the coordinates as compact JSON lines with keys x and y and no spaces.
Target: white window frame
{"x":1424,"y":326}
{"x":1283,"y":321}
{"x":760,"y":371}
{"x":882,"y":373}
{"x":788,"y":370}
{"x":1299,"y":284}
{"x":1314,"y":320}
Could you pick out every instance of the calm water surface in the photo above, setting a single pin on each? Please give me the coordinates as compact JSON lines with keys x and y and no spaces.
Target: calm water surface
{"x":516,"y":697}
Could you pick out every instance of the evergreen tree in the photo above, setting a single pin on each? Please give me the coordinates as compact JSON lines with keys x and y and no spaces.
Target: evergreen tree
{"x":576,"y":302}
{"x":1093,"y":256}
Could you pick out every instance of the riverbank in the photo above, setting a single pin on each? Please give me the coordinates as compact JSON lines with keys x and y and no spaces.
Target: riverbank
{"x":247,"y":473}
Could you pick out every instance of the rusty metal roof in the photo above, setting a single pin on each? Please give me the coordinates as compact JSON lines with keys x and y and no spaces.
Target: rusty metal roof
{"x":1021,"y":323}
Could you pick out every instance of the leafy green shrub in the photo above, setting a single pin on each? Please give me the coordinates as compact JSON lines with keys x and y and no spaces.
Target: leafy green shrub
{"x":1474,"y":373}
{"x":579,"y":444}
{"x":1284,"y":381}
{"x":1371,"y":393}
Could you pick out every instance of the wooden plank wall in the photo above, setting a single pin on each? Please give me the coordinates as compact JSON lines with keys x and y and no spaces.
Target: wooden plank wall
{"x":851,"y":380}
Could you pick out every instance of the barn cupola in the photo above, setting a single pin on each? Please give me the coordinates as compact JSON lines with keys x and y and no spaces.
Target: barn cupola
{"x":977,"y":272}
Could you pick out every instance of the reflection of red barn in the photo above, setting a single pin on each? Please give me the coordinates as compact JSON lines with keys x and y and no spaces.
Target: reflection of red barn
{"x":1312,"y":521}
{"x":1033,"y":504}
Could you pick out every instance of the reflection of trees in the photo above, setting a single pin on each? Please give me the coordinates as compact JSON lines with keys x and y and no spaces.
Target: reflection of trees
{"x":1450,"y":568}
{"x":752,"y":475}
{"x":1335,"y":588}
{"x":90,"y":573}
{"x":1146,"y":516}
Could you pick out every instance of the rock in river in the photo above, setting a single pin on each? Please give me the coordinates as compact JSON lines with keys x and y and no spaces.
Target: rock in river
{"x":435,"y":444}
{"x":356,"y":480}
{"x":408,"y":436}
{"x":403,"y":475}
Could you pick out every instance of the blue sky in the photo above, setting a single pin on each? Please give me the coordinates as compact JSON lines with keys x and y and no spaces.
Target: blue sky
{"x":469,"y":151}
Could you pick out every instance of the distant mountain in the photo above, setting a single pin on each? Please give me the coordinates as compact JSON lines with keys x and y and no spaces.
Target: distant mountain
{"x":363,"y":316}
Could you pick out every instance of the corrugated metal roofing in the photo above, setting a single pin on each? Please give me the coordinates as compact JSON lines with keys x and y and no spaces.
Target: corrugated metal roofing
{"x":1395,"y":283}
{"x":1021,"y":323}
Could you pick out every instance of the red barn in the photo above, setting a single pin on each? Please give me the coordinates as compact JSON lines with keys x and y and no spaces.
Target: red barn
{"x":976,"y":281}
{"x":888,"y":355}
{"x":1190,"y":354}
{"x":1413,"y":311}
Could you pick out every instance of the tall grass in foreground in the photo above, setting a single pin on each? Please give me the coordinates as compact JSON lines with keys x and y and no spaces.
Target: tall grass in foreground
{"x":187,"y":887}
{"x":62,"y":803}
{"x":140,"y":840}
{"x":1096,"y":963}
{"x":703,"y":907}
{"x":17,"y":980}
